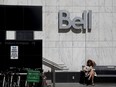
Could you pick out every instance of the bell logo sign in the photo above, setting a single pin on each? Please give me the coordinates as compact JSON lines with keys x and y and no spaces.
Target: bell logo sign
{"x":77,"y":24}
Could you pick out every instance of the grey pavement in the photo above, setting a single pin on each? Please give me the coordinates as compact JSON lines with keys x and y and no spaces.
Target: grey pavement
{"x":80,"y":85}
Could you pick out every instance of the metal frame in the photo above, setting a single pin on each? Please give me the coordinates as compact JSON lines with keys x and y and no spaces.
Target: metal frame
{"x":54,"y":66}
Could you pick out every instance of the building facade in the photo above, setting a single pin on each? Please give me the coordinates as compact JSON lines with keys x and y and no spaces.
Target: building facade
{"x":74,"y":49}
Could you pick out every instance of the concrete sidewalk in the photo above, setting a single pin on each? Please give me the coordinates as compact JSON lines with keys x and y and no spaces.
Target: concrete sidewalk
{"x":80,"y":85}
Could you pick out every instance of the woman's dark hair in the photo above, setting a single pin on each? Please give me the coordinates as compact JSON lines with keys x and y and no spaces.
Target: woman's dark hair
{"x":90,"y":63}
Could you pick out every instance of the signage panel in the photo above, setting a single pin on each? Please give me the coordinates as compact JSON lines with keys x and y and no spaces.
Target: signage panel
{"x":14,"y":52}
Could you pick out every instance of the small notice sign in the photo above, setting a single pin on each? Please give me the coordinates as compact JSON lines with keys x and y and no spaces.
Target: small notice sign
{"x":14,"y":52}
{"x":33,"y":76}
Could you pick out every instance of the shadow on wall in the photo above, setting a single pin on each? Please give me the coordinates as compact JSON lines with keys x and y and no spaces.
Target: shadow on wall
{"x":77,"y":31}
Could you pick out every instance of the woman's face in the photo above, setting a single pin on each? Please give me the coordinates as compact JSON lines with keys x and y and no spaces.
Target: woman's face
{"x":89,"y":63}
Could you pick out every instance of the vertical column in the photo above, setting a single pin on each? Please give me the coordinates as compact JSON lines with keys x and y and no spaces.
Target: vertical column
{"x":53,"y":70}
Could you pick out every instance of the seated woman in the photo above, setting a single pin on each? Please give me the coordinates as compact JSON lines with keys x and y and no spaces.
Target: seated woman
{"x":89,"y":70}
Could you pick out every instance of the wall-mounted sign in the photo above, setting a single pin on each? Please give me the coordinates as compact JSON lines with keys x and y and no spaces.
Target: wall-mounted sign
{"x":14,"y":52}
{"x":66,"y":24}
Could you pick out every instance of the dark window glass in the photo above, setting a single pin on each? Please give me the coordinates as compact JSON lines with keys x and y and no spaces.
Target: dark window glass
{"x":2,"y":17}
{"x":24,"y":35}
{"x":14,"y":17}
{"x":29,"y":54}
{"x":32,"y":18}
